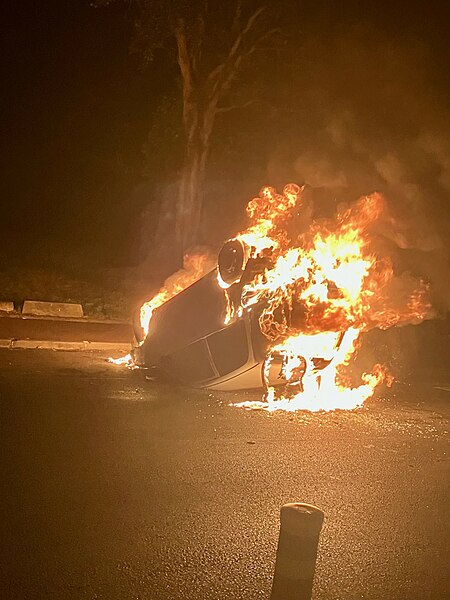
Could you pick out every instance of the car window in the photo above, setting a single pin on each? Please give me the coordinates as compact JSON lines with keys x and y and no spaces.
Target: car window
{"x":191,"y":363}
{"x":229,"y":348}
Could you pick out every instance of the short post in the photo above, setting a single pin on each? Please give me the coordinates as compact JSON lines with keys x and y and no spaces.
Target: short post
{"x":297,"y":552}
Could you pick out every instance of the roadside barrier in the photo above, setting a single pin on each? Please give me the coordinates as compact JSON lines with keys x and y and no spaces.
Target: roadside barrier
{"x":297,"y":552}
{"x":7,"y":307}
{"x":122,"y":347}
{"x":52,"y":309}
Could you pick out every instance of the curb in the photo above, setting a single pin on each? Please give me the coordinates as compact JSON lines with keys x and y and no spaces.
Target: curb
{"x":52,"y":309}
{"x":7,"y":307}
{"x":55,"y":345}
{"x":84,"y":319}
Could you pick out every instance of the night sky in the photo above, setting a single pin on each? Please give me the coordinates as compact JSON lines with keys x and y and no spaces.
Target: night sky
{"x":362,"y":106}
{"x":74,"y":114}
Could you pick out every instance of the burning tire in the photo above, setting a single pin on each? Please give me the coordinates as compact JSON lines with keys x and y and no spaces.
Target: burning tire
{"x":231,"y":262}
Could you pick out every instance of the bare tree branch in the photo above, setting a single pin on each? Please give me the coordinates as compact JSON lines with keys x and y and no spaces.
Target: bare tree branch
{"x":237,"y":17}
{"x":199,"y":36}
{"x":225,"y":109}
{"x":258,"y":42}
{"x":184,"y":62}
{"x":241,"y":37}
{"x":217,"y":78}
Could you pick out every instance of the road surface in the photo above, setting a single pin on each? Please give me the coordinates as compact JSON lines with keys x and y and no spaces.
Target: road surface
{"x":117,"y":488}
{"x":64,"y":330}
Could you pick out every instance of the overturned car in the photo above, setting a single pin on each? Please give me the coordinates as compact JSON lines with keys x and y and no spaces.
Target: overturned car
{"x":192,"y":339}
{"x":189,"y":341}
{"x":284,"y":306}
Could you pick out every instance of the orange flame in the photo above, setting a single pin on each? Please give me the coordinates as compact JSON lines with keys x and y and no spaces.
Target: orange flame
{"x":321,"y":286}
{"x":321,"y":290}
{"x":195,"y":265}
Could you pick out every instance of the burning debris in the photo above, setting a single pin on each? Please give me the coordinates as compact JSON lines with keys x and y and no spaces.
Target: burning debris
{"x":300,"y":291}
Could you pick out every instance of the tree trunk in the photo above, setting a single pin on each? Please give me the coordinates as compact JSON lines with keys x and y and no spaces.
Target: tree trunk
{"x":191,"y":190}
{"x":166,"y":254}
{"x":200,"y":101}
{"x":190,"y":200}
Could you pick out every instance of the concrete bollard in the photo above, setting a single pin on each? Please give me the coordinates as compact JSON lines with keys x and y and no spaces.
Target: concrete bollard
{"x":297,"y":552}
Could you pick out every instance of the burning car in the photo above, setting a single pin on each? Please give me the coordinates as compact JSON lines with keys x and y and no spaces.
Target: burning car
{"x":192,"y":338}
{"x":189,"y":341}
{"x":283,"y":308}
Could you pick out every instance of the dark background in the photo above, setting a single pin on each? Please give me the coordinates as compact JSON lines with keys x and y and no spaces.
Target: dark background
{"x":91,"y":141}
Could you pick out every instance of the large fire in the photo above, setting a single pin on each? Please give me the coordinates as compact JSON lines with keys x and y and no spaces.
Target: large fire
{"x":321,"y":289}
{"x":317,"y":286}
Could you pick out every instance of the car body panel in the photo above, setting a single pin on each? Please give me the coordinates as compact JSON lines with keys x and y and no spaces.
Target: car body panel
{"x":189,"y":341}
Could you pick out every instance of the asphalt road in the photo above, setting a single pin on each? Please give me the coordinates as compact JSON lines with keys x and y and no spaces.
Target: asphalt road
{"x":115,"y":488}
{"x":61,"y":330}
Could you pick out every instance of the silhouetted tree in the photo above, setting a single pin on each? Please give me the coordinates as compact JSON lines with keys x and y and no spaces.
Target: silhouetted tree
{"x":211,"y":41}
